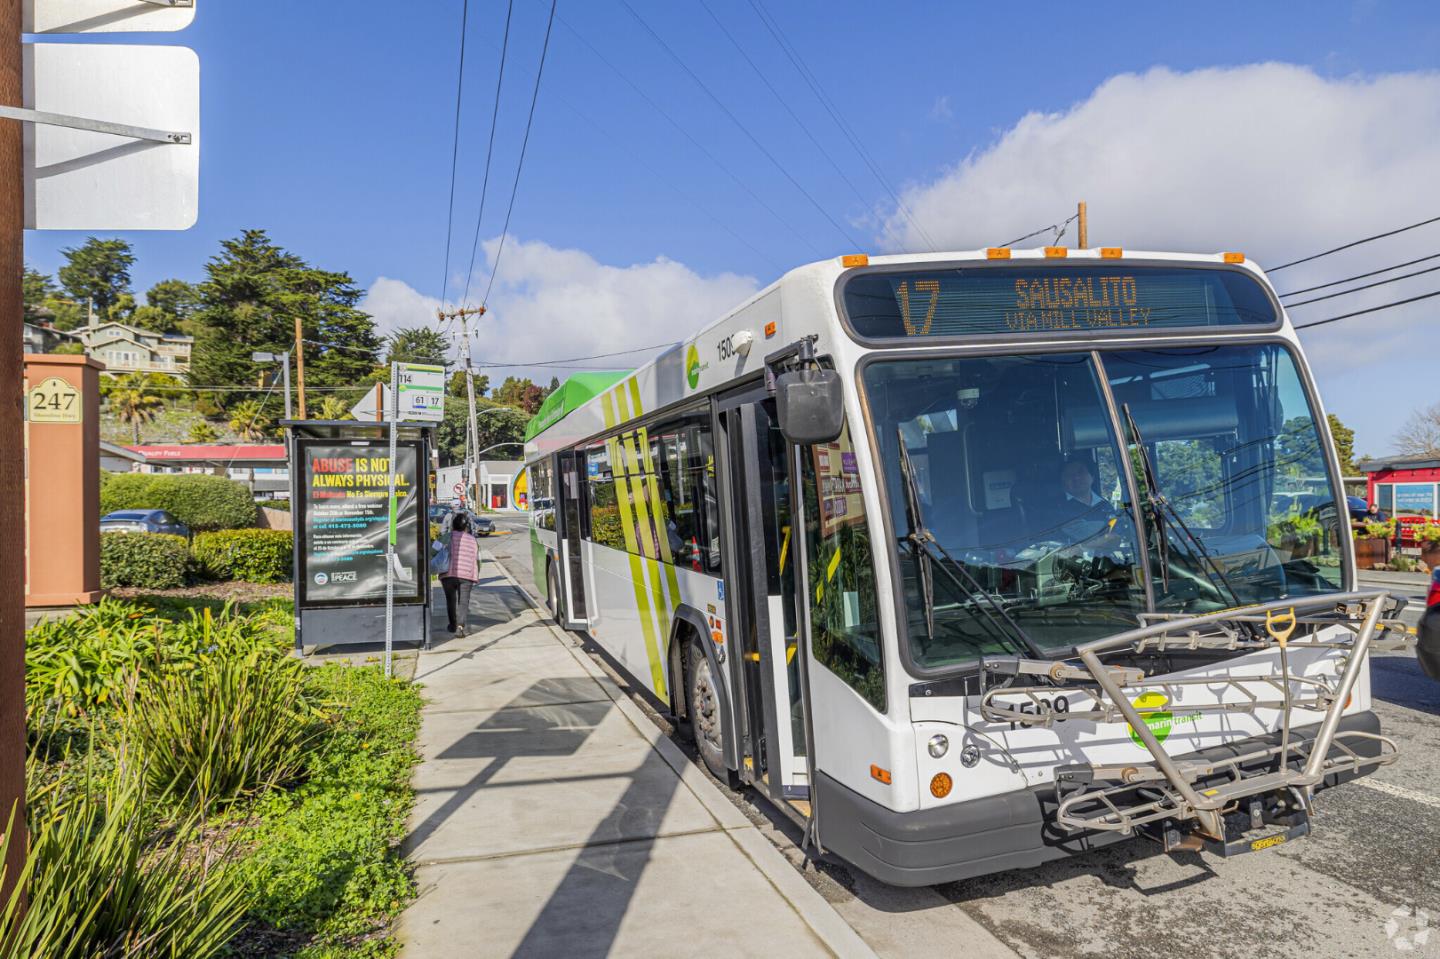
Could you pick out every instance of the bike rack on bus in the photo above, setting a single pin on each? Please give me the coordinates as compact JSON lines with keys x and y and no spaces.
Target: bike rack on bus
{"x":1123,"y":797}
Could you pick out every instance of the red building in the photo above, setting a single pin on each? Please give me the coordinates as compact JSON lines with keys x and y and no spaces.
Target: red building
{"x":1407,"y":488}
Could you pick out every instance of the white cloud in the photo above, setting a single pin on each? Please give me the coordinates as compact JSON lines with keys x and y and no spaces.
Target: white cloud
{"x":396,"y":305}
{"x":1270,"y":159}
{"x":551,"y":303}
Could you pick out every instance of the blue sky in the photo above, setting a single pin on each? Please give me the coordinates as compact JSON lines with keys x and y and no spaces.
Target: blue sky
{"x":330,"y":125}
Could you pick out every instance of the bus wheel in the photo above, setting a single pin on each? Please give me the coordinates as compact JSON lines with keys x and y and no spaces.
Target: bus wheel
{"x":552,"y":591}
{"x":704,"y":702}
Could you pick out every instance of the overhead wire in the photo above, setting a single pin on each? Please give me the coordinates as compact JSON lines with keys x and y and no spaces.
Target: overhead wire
{"x":798,"y":62}
{"x":489,"y":150}
{"x":687,"y":135}
{"x":1057,"y":228}
{"x":1355,"y":243}
{"x":1367,"y":286}
{"x":784,"y":103}
{"x":680,"y":62}
{"x":1373,"y":309}
{"x":1358,"y":276}
{"x":455,"y":150}
{"x":520,"y":164}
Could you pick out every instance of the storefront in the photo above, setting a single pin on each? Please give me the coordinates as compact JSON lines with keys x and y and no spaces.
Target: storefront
{"x":1407,"y":488}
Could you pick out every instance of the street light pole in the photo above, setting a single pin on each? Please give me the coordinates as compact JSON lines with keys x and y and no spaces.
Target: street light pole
{"x":284,"y":360}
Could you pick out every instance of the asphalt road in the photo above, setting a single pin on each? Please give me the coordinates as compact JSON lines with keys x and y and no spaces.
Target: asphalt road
{"x":1365,"y":883}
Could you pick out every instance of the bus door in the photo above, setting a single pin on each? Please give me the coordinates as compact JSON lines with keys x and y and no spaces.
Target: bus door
{"x":763,"y":563}
{"x":571,"y":506}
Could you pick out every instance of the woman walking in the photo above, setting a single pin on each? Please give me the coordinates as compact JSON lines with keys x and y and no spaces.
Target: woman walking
{"x":460,"y":576}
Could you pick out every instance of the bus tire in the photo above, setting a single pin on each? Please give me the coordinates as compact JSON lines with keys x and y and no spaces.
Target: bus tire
{"x":706,"y":719}
{"x":552,"y":592}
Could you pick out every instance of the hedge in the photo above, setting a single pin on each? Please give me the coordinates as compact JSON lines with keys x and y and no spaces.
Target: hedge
{"x":252,"y":555}
{"x":200,"y":501}
{"x":146,"y":560}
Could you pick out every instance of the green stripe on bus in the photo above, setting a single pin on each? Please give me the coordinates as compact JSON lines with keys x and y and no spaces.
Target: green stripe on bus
{"x":607,"y":407}
{"x":647,"y":627}
{"x":622,"y":493}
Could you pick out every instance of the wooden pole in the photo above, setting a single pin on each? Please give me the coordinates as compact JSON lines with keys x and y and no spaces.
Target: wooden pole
{"x":12,"y":467}
{"x":300,"y":366}
{"x":1084,"y":226}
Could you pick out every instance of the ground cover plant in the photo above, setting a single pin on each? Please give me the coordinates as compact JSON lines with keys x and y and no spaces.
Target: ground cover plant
{"x":193,"y":790}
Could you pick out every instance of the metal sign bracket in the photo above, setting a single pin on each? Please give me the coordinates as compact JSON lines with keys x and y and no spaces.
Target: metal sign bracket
{"x":96,"y":126}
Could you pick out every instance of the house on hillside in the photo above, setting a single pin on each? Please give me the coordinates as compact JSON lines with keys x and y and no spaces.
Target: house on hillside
{"x":43,"y":338}
{"x":129,"y":349}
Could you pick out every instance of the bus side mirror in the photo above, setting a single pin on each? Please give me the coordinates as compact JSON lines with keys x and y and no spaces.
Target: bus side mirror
{"x":809,"y":406}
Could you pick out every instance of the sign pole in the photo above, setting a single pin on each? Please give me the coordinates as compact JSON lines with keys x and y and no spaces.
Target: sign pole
{"x":12,"y":488}
{"x":390,"y":535}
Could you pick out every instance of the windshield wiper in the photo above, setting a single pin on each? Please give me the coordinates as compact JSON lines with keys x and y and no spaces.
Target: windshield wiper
{"x":1163,"y":511}
{"x":924,"y":547}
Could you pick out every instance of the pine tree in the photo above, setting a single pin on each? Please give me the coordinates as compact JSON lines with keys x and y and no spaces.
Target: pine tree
{"x":253,"y":292}
{"x":98,"y":270}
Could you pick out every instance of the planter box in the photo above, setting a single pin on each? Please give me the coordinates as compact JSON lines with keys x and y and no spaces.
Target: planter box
{"x":1371,"y":552}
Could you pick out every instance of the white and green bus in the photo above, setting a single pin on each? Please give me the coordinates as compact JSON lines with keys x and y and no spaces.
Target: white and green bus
{"x":971,"y":561}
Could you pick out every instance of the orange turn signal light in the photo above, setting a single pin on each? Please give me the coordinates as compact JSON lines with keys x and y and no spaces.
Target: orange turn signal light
{"x":855,"y":259}
{"x":879,"y":775}
{"x":1111,"y":253}
{"x":1056,"y":252}
{"x":1233,"y":257}
{"x":940,"y":785}
{"x":770,"y":329}
{"x":997,"y":253}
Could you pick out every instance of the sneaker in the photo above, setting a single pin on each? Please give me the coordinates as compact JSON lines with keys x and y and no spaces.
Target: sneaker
{"x":460,"y":631}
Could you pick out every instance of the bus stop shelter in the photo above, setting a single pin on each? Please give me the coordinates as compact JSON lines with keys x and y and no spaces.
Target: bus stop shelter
{"x":340,"y":501}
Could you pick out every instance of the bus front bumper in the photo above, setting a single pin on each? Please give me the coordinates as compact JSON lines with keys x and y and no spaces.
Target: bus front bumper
{"x":1010,"y":831}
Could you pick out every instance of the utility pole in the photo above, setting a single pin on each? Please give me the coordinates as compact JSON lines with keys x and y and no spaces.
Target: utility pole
{"x":300,"y":366}
{"x":12,"y":467}
{"x":470,"y":475}
{"x":1084,"y":228}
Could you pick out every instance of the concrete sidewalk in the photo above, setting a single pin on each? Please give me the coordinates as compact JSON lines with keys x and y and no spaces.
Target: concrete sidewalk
{"x":553,"y":818}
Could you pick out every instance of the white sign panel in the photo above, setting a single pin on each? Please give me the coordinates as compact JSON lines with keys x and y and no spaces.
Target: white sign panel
{"x":106,"y":16}
{"x":84,"y":180}
{"x":421,"y":392}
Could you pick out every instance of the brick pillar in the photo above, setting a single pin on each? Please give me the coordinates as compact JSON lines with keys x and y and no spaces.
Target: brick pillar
{"x":62,"y":480}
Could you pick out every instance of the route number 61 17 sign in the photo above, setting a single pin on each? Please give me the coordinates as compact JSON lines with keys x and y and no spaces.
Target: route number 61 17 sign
{"x":420,"y":393}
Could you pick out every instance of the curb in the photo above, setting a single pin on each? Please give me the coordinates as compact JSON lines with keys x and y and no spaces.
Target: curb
{"x":827,"y":925}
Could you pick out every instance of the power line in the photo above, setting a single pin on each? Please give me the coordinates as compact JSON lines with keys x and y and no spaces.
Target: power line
{"x":1368,"y":239}
{"x":1367,"y":286}
{"x":694,"y":142}
{"x":798,"y":62}
{"x":743,"y":129}
{"x":455,"y":150}
{"x":520,"y":165}
{"x":783,"y":103}
{"x":1358,"y":276}
{"x":489,"y":151}
{"x":1373,"y":309}
{"x":579,"y":359}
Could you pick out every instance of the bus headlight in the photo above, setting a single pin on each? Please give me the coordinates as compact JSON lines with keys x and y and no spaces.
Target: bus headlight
{"x":939,"y":745}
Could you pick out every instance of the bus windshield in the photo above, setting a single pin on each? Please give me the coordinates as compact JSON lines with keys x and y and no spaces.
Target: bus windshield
{"x":1028,"y":471}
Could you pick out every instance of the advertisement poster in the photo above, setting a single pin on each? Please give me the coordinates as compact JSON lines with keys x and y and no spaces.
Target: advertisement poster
{"x":839,"y":479}
{"x":347,"y":523}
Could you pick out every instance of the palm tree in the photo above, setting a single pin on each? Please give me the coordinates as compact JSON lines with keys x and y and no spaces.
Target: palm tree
{"x":334,"y":408}
{"x":249,"y":420}
{"x":132,"y":402}
{"x":203,"y":431}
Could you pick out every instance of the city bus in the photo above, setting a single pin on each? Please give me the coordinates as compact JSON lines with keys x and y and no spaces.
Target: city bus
{"x":971,"y":561}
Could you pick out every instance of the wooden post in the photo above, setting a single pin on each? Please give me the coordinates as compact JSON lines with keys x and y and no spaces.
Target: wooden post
{"x":1084,"y":227}
{"x":12,"y":465}
{"x":300,"y":366}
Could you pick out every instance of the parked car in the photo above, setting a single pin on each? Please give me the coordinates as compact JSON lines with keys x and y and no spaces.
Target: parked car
{"x":437,"y":512}
{"x":143,"y":521}
{"x":1357,"y":506}
{"x":1428,"y":647}
{"x":483,"y":527}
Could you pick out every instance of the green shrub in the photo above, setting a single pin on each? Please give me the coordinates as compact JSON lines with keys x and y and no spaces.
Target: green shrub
{"x":200,"y":501}
{"x":234,"y":726}
{"x":251,"y":555}
{"x":147,"y":560}
{"x":98,"y":882}
{"x":87,"y":660}
{"x":283,"y":504}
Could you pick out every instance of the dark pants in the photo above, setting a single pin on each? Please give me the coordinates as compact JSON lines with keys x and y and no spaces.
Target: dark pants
{"x":457,"y":594}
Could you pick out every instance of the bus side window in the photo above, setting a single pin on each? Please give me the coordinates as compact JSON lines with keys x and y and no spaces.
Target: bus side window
{"x":709,"y":497}
{"x":605,"y":527}
{"x":844,"y":623}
